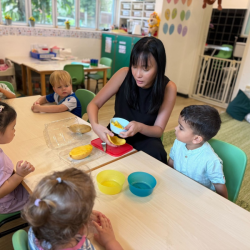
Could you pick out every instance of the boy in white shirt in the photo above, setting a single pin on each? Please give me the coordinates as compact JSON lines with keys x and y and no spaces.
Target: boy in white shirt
{"x":191,"y":154}
{"x":64,"y":97}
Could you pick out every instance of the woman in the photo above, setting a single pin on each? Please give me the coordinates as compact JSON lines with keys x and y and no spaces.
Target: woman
{"x":144,"y":97}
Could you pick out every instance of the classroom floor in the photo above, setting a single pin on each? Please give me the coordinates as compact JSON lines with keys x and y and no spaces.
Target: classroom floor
{"x":106,"y":112}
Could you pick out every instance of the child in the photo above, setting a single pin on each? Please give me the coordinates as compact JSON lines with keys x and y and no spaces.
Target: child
{"x":63,"y":96}
{"x":13,"y":196}
{"x":59,"y":211}
{"x":191,"y":154}
{"x":5,"y":92}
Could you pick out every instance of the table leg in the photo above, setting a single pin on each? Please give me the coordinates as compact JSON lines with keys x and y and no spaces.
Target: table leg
{"x":24,"y":79}
{"x":43,"y":84}
{"x":88,"y":83}
{"x":29,"y":81}
{"x":104,"y":77}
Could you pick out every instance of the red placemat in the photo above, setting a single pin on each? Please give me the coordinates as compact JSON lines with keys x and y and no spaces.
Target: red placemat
{"x":113,"y":151}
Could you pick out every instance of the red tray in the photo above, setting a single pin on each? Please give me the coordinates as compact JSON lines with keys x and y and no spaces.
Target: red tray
{"x":113,"y":151}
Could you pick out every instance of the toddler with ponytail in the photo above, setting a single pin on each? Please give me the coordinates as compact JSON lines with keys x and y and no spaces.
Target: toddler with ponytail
{"x":59,"y":211}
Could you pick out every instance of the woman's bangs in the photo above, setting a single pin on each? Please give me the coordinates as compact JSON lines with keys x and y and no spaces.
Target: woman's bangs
{"x":140,"y":58}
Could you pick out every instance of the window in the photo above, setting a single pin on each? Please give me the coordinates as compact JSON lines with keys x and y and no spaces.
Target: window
{"x":87,"y":14}
{"x":80,"y":13}
{"x":66,"y":11}
{"x":42,"y":11}
{"x":16,"y":9}
{"x":106,"y":13}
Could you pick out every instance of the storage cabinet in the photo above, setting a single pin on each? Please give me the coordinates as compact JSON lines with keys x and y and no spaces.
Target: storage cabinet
{"x":139,"y":10}
{"x":118,"y":48}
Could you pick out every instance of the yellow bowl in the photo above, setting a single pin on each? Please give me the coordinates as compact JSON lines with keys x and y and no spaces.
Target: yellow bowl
{"x":110,"y":181}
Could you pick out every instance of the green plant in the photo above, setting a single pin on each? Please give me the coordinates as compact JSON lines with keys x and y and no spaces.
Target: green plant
{"x":8,"y":17}
{"x":67,"y":22}
{"x":32,"y":19}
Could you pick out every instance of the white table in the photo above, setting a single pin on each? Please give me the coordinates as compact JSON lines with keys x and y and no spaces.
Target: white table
{"x":180,"y":213}
{"x":29,"y":143}
{"x":46,"y":68}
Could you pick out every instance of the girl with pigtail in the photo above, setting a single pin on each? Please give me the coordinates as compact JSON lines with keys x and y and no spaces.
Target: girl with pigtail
{"x":59,"y":211}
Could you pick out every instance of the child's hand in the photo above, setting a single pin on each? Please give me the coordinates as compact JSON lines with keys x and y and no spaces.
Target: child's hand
{"x":24,"y":169}
{"x":95,"y":216}
{"x":106,"y":236}
{"x":36,"y":108}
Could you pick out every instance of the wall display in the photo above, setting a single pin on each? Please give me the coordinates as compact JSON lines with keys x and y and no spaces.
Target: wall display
{"x":174,"y":13}
{"x":171,"y":29}
{"x":184,"y":31}
{"x":176,"y":1}
{"x":165,"y":28}
{"x":182,"y":15}
{"x":183,"y":1}
{"x":167,"y":14}
{"x":179,"y":29}
{"x":188,"y":13}
{"x":189,"y":2}
{"x":27,"y":31}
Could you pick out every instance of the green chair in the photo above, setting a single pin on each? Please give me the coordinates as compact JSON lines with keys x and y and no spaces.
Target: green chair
{"x":234,"y":165}
{"x":20,"y":240}
{"x":9,"y":85}
{"x":225,"y":54}
{"x":76,"y":72}
{"x":5,"y":218}
{"x":85,"y":97}
{"x":99,"y":75}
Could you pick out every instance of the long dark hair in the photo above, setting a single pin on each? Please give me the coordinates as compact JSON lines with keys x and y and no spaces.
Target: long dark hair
{"x":141,"y":52}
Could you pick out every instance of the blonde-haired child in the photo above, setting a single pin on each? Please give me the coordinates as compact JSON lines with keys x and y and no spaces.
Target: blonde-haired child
{"x":64,"y":97}
{"x":13,"y":195}
{"x":59,"y":211}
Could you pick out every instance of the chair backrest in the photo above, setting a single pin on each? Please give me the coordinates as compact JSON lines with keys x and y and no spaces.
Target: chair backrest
{"x":9,"y":85}
{"x":85,"y":97}
{"x":76,"y":72}
{"x":20,"y":240}
{"x":107,"y":62}
{"x":234,"y":165}
{"x":225,"y":54}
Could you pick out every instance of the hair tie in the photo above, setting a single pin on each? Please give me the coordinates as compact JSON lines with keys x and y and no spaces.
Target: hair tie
{"x":59,"y":179}
{"x":1,"y":108}
{"x":37,"y":201}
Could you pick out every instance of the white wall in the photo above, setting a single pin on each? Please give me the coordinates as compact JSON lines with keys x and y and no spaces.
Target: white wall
{"x":183,"y":52}
{"x":20,"y":45}
{"x":232,"y":4}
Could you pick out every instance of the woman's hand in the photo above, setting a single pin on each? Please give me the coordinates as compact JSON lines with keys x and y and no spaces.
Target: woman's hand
{"x":102,"y":132}
{"x":133,"y":128}
{"x":24,"y":169}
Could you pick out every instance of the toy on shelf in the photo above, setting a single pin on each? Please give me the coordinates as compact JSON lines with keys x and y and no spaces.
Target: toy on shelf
{"x":153,"y":24}
{"x":211,"y":2}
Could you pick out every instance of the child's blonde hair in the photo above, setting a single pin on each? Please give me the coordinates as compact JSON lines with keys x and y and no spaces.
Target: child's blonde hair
{"x":60,"y":77}
{"x":60,"y":206}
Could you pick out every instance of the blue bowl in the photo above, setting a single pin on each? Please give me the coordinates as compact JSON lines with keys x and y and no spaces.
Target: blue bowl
{"x":141,"y":184}
{"x":122,"y":121}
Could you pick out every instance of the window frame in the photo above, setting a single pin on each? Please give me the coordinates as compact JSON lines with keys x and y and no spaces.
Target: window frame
{"x":28,"y":12}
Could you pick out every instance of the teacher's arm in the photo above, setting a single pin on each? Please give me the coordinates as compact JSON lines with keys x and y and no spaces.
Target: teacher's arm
{"x":110,"y":89}
{"x":162,"y":118}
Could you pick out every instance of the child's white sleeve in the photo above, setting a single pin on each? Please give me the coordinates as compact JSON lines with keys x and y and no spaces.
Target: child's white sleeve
{"x":215,"y":171}
{"x":70,"y":102}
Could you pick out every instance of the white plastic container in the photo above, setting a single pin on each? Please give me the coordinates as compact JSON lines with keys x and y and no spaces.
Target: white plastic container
{"x":125,"y":12}
{"x":137,"y":6}
{"x":247,"y":91}
{"x":137,"y":13}
{"x":147,"y":13}
{"x":126,"y":6}
{"x":149,"y":6}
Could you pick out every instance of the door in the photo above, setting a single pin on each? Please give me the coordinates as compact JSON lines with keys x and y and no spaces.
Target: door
{"x":108,"y":48}
{"x":122,"y":52}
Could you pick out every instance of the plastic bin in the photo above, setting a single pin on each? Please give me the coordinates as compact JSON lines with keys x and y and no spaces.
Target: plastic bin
{"x":126,"y":5}
{"x":42,"y":56}
{"x":149,"y":6}
{"x":125,"y":12}
{"x":147,"y":13}
{"x":137,"y":6}
{"x":137,"y":13}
